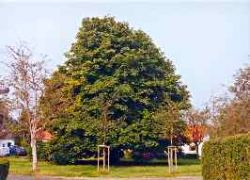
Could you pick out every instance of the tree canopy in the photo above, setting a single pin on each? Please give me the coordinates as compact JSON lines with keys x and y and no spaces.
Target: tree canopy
{"x":112,"y":82}
{"x":231,"y":115}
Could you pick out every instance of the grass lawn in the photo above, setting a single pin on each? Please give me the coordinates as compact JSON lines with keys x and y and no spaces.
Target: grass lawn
{"x":158,"y":168}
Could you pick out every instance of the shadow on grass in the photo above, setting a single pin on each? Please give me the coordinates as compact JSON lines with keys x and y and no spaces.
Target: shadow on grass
{"x":154,"y":162}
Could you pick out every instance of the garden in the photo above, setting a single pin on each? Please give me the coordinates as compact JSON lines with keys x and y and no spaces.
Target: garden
{"x":117,"y":108}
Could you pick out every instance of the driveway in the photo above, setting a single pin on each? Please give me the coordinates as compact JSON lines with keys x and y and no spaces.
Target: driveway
{"x":18,"y":177}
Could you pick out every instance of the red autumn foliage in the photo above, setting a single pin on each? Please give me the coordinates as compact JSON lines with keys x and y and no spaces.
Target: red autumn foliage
{"x":196,"y":133}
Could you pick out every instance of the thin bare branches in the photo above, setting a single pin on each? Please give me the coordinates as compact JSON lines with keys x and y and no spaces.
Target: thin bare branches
{"x":26,"y":81}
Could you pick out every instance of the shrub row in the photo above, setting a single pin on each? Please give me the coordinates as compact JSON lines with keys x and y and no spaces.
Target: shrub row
{"x":227,"y":158}
{"x":4,"y":169}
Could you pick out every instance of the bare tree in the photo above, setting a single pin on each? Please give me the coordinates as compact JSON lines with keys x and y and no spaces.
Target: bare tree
{"x":26,"y":81}
{"x":230,"y":115}
{"x":4,"y":108}
{"x":4,"y":116}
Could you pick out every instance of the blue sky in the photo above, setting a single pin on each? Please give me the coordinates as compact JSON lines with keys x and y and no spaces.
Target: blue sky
{"x":207,"y":41}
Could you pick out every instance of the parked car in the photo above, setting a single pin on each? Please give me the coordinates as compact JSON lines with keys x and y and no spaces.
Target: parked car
{"x":17,"y":150}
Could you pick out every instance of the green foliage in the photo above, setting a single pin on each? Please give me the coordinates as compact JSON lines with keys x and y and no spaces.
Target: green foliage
{"x":23,"y":143}
{"x":62,"y":158}
{"x":44,"y":151}
{"x":171,"y":123}
{"x":4,"y":169}
{"x":227,"y":158}
{"x":107,"y":91}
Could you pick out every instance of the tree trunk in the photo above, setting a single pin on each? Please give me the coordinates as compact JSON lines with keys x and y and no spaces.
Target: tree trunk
{"x":34,"y":154}
{"x":197,"y":149}
{"x":171,"y":136}
{"x":171,"y":140}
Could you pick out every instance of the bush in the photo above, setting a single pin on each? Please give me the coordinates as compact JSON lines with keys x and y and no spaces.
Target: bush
{"x":115,"y":155}
{"x":44,"y":151}
{"x":23,"y":143}
{"x":142,"y":156}
{"x":62,"y":158}
{"x":4,"y":169}
{"x":189,"y":156}
{"x":227,"y":158}
{"x":160,"y":155}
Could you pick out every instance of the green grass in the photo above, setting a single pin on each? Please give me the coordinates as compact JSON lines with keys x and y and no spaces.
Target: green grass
{"x":157,"y":168}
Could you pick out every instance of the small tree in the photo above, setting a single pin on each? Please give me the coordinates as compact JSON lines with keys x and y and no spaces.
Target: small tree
{"x":171,"y":124}
{"x":26,"y":80}
{"x":196,"y":126}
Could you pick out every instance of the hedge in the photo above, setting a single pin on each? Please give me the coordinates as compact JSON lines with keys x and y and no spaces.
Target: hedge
{"x":227,"y":158}
{"x":4,"y":169}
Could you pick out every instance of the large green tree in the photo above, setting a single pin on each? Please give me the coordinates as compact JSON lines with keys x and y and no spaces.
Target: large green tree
{"x":107,"y":91}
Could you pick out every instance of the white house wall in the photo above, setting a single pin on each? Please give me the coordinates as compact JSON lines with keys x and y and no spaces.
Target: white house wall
{"x":5,"y":142}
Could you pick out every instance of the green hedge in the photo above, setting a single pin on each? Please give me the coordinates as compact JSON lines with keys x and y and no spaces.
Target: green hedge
{"x":227,"y":158}
{"x":4,"y":169}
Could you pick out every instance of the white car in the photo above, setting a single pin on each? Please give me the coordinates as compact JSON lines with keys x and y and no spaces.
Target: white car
{"x":4,"y":151}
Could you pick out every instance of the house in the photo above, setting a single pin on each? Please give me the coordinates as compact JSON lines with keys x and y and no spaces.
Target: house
{"x":44,"y":136}
{"x":6,"y":138}
{"x":191,"y":148}
{"x":6,"y":141}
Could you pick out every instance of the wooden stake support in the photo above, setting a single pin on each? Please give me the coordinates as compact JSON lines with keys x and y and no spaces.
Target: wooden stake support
{"x":103,"y":154}
{"x":172,"y":158}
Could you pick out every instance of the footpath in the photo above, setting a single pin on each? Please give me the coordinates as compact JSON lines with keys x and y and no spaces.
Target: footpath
{"x":19,"y":177}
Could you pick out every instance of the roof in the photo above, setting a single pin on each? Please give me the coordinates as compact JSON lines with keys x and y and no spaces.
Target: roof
{"x":44,"y":135}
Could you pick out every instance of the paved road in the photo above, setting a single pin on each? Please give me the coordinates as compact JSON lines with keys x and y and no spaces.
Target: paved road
{"x":13,"y":177}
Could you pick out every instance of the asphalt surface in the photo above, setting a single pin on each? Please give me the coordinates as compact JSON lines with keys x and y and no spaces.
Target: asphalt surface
{"x":18,"y":177}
